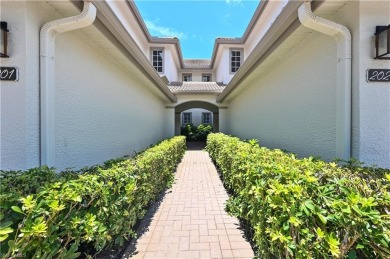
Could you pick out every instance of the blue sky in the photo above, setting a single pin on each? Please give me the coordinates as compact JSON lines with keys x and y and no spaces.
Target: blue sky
{"x":197,"y":23}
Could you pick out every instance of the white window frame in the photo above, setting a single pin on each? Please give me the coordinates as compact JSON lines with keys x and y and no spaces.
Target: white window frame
{"x":241,"y":51}
{"x":187,"y":74}
{"x":203,"y":116}
{"x":207,"y":74}
{"x":183,"y":122}
{"x":152,"y":60}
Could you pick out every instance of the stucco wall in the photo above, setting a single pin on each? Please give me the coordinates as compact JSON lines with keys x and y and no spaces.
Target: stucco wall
{"x":373,"y":99}
{"x":19,"y":100}
{"x":170,"y":69}
{"x":292,"y":106}
{"x":210,"y":98}
{"x":222,"y":73}
{"x":197,"y":75}
{"x":103,"y":113}
{"x":170,"y":61}
{"x":197,"y":116}
{"x":103,"y":110}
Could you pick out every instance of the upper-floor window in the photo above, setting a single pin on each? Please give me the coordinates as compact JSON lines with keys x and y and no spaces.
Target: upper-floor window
{"x":187,"y":118}
{"x":158,"y":59}
{"x":235,"y":59}
{"x":206,"y":118}
{"x":206,"y":77}
{"x":187,"y":77}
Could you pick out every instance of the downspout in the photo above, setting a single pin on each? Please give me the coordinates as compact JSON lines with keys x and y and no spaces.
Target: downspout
{"x":48,"y":34}
{"x":343,"y":87}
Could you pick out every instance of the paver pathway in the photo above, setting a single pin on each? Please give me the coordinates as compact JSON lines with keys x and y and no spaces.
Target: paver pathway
{"x":191,"y":221}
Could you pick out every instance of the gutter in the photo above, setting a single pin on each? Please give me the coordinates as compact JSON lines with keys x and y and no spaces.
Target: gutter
{"x":343,"y":88}
{"x":48,"y":33}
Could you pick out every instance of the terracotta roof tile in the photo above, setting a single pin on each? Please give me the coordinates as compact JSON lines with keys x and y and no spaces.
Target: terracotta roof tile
{"x":228,"y":38}
{"x":197,"y":63}
{"x":197,"y":87}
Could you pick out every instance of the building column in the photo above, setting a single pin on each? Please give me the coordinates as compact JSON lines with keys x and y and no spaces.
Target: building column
{"x":215,"y":121}
{"x":177,"y":123}
{"x":170,"y":121}
{"x":223,"y":120}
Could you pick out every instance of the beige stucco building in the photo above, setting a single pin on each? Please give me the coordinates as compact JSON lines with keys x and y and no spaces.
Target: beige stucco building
{"x":94,"y":84}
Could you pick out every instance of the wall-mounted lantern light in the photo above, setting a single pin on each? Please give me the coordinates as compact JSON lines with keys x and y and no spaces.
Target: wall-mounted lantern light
{"x":382,"y":42}
{"x":3,"y":40}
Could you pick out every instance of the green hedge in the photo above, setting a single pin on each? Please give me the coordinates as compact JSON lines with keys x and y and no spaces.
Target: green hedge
{"x":304,"y":208}
{"x":48,"y":215}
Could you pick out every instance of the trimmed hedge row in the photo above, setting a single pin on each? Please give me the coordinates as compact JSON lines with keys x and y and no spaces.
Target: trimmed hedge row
{"x":45,"y":215}
{"x":304,"y":208}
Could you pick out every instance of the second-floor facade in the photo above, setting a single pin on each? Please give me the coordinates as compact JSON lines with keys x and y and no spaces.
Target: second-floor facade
{"x":228,"y":54}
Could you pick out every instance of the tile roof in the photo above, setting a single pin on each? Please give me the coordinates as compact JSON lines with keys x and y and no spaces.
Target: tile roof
{"x":228,"y":38}
{"x":196,"y":87}
{"x":197,"y":63}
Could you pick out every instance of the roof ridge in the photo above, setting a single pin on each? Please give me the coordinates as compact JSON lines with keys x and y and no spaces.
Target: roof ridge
{"x":196,"y":87}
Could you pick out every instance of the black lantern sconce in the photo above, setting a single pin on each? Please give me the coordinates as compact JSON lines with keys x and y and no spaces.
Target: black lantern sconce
{"x":382,"y":42}
{"x":4,"y":40}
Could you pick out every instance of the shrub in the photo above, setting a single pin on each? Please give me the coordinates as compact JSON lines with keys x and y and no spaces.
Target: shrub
{"x":203,"y":131}
{"x":189,"y":131}
{"x":194,"y":133}
{"x":99,"y":207}
{"x":304,"y":208}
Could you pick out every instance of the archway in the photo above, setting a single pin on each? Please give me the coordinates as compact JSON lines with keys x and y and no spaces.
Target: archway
{"x":196,"y":104}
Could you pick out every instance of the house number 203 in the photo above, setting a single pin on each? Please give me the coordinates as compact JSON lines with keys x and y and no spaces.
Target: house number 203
{"x":9,"y":74}
{"x":378,"y":75}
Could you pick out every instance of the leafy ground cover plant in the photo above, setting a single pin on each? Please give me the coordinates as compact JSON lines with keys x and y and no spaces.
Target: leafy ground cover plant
{"x":49,"y":215}
{"x":304,"y":208}
{"x":194,"y":133}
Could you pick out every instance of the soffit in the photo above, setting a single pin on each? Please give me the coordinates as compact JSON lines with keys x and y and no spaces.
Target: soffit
{"x":67,"y":9}
{"x":326,"y":10}
{"x":279,"y":53}
{"x":112,"y":51}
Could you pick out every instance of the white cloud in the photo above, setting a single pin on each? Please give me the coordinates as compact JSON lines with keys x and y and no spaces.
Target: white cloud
{"x":162,"y":31}
{"x":233,"y":2}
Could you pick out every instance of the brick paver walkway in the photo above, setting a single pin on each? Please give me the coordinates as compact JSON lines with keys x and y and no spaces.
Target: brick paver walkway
{"x":191,"y":221}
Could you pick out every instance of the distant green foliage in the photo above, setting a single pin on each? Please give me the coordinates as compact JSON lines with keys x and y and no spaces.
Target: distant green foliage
{"x":305,"y":208}
{"x":49,"y":215}
{"x":194,"y":133}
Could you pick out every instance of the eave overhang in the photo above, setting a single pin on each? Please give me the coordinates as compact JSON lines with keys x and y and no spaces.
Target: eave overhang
{"x":109,"y":24}
{"x":284,"y":25}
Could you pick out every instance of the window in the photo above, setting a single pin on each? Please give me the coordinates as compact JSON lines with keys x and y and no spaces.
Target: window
{"x":235,"y":60}
{"x":206,"y":77}
{"x":158,"y":59}
{"x":187,"y":118}
{"x":206,"y":118}
{"x":187,"y":77}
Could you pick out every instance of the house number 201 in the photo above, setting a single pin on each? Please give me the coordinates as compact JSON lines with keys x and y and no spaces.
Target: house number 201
{"x":378,"y":75}
{"x":9,"y":74}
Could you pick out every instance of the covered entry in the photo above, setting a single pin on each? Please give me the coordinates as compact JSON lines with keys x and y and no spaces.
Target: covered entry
{"x":196,"y":104}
